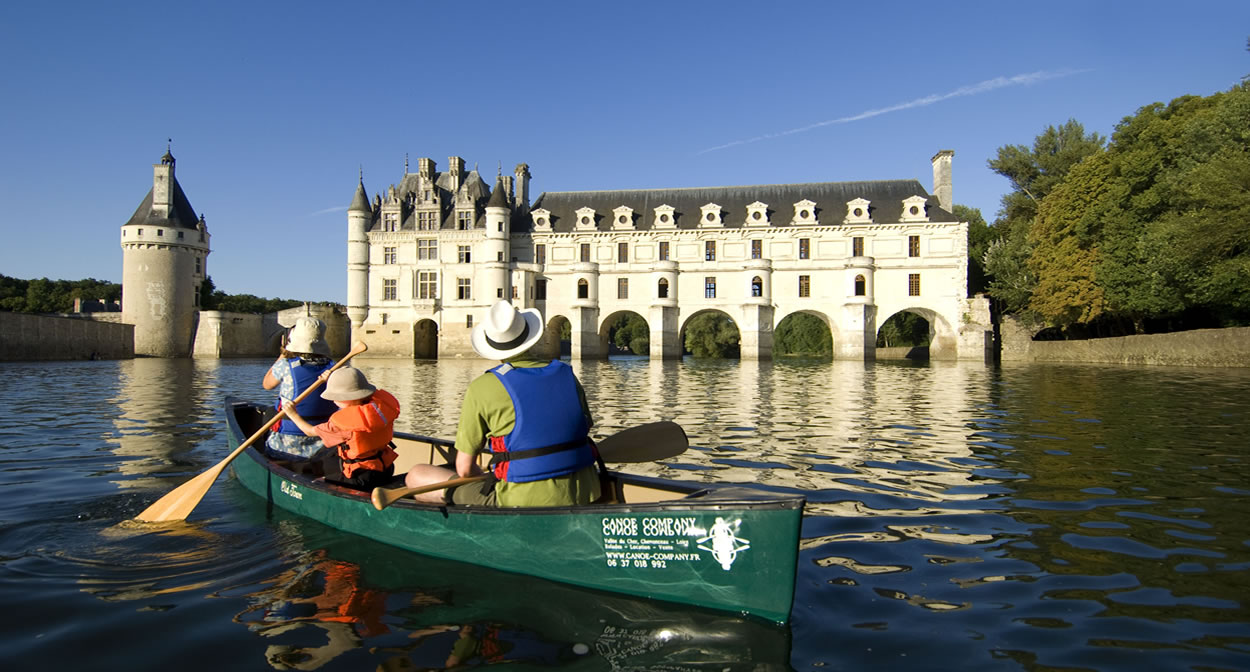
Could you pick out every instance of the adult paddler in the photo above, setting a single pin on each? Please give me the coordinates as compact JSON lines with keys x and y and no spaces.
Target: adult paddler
{"x":530,"y":414}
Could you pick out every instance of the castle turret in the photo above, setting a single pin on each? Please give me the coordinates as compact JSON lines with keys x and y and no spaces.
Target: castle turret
{"x":165,"y":248}
{"x":498,"y":231}
{"x":359,"y":217}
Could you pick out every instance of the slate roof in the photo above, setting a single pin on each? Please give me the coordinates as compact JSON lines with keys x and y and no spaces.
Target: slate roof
{"x":182,"y":216}
{"x":885,"y":197}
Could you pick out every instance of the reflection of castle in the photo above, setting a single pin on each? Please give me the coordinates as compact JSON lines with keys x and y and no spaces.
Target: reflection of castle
{"x":428,"y":258}
{"x":165,"y":248}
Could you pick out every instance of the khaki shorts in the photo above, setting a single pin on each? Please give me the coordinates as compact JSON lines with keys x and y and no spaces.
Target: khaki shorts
{"x":471,"y":494}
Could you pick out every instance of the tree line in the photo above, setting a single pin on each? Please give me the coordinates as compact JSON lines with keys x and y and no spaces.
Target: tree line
{"x":57,"y":296}
{"x":1145,"y":231}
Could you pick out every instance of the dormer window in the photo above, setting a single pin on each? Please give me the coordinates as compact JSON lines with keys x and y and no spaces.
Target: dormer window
{"x":914,"y":210}
{"x":427,"y":220}
{"x":623,"y":218}
{"x":804,"y":213}
{"x":585,"y":219}
{"x":710,"y":215}
{"x":390,"y":221}
{"x":542,"y":219}
{"x":757,"y":214}
{"x":464,"y":220}
{"x":858,"y":212}
{"x":665,"y":217}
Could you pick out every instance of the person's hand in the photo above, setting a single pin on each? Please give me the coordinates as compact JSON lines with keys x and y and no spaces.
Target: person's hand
{"x":289,"y":407}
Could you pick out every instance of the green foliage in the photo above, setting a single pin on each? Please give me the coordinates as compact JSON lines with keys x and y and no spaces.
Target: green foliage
{"x":712,"y":334}
{"x":630,"y":332}
{"x":803,"y":334}
{"x":979,"y":238}
{"x":214,"y":299}
{"x":53,"y":296}
{"x":903,"y":330}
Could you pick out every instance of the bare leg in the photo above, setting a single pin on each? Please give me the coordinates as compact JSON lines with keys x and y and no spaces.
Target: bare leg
{"x":426,"y":474}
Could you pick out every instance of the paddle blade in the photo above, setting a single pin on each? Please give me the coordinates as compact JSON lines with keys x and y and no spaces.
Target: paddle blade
{"x":644,"y":443}
{"x":179,"y":502}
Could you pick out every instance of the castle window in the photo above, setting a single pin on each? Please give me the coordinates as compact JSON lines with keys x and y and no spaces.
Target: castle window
{"x":913,"y":284}
{"x":585,"y":251}
{"x":540,"y":254}
{"x":622,"y":252}
{"x":464,"y":219}
{"x":499,"y":256}
{"x":805,"y":248}
{"x":665,"y":217}
{"x":427,"y":250}
{"x":861,"y":286}
{"x":583,"y":289}
{"x":388,"y":255}
{"x":709,"y":250}
{"x":179,"y":235}
{"x":858,"y":212}
{"x":622,"y":288}
{"x":757,"y":286}
{"x":499,"y":292}
{"x":427,"y":221}
{"x":914,"y":209}
{"x":757,"y":214}
{"x":661,"y":289}
{"x":427,"y":285}
{"x":709,"y":287}
{"x":514,"y":292}
{"x":540,"y":290}
{"x":585,"y":219}
{"x":913,"y":246}
{"x":140,"y":232}
{"x":464,"y":288}
{"x":463,"y":254}
{"x":390,"y":221}
{"x":160,"y":232}
{"x":857,"y":246}
{"x":390,"y":290}
{"x":710,"y":215}
{"x":623,"y":218}
{"x":805,"y":286}
{"x":805,"y":212}
{"x":199,"y":264}
{"x":663,"y":250}
{"x":468,"y":322}
{"x":757,"y":249}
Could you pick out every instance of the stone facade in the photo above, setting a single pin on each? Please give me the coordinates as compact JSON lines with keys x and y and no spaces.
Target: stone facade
{"x":44,"y":337}
{"x":440,"y":248}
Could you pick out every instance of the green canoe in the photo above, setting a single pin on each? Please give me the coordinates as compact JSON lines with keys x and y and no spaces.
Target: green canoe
{"x":727,"y":548}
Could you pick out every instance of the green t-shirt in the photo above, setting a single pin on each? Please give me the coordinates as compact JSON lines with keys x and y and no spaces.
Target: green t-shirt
{"x":487,"y":411}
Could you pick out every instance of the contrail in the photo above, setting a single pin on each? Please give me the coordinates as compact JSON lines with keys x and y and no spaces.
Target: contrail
{"x":972,"y":90}
{"x":341,"y":208}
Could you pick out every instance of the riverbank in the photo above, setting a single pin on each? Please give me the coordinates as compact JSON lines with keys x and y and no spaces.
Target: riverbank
{"x":1199,"y":347}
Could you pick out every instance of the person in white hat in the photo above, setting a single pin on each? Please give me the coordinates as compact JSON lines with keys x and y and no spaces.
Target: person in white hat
{"x":530,"y":414}
{"x":301,"y":360}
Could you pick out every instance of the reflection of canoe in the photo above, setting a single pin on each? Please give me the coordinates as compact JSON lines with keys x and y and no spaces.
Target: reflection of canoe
{"x":727,"y":548}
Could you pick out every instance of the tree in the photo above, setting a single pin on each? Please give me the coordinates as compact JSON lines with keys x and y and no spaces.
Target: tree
{"x":903,"y":330}
{"x":1034,"y":173}
{"x":803,"y":334}
{"x":630,"y":332}
{"x":712,"y":334}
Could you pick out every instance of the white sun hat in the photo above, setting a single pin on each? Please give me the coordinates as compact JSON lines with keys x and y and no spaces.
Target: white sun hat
{"x":506,"y":331}
{"x":308,"y":337}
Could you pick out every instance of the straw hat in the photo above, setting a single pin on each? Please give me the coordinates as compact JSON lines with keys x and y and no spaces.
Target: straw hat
{"x":347,"y":384}
{"x":506,"y":331}
{"x":308,"y":336}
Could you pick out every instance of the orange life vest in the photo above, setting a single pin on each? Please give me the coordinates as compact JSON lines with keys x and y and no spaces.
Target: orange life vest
{"x":372,"y":427}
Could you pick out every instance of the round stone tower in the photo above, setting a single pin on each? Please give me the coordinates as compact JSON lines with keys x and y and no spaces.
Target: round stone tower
{"x":165,"y":250}
{"x":359,"y":217}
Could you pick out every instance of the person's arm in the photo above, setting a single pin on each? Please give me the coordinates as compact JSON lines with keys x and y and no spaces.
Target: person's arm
{"x":466,"y":465}
{"x":299,"y":421}
{"x":271,"y":381}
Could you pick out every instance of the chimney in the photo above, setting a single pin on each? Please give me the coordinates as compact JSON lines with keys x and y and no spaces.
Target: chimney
{"x":942,"y":178}
{"x":522,"y":172}
{"x":455,"y":166}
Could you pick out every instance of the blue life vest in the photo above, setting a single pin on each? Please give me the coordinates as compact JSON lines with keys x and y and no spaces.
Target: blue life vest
{"x":550,"y":436}
{"x":313,"y":408}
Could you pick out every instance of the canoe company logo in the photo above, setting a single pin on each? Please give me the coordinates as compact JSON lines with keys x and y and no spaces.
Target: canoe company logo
{"x":725,"y":542}
{"x":289,"y":488}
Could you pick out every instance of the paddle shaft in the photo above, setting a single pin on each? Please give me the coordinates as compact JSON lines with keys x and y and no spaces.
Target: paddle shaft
{"x":644,"y":443}
{"x":179,"y":503}
{"x":383,"y":497}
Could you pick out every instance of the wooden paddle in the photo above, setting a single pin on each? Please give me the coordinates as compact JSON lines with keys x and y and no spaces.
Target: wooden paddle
{"x":644,"y":443}
{"x":180,"y":501}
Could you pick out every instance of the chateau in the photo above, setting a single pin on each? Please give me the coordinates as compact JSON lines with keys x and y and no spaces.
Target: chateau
{"x":439,"y":248}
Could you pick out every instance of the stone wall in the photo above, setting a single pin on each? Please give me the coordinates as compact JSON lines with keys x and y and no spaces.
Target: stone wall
{"x":1199,"y":347}
{"x":26,"y":337}
{"x":220,"y":334}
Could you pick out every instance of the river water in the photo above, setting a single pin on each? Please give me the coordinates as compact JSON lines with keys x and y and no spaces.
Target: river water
{"x":960,"y":516}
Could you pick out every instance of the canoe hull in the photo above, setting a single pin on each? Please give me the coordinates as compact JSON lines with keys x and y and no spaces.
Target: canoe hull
{"x":730,"y":549}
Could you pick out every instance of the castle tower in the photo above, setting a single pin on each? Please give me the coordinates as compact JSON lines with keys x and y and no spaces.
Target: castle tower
{"x":359,"y":217}
{"x":496,"y":247}
{"x":165,"y":250}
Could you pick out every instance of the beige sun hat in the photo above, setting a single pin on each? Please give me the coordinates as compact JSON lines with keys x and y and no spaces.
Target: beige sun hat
{"x":347,"y":384}
{"x":308,"y":336}
{"x":506,"y":331}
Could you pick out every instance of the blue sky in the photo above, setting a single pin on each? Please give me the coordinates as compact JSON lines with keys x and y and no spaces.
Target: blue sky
{"x":275,"y":107}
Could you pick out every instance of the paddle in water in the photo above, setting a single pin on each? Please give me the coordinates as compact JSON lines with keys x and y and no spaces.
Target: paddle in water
{"x":644,"y":443}
{"x":179,"y":503}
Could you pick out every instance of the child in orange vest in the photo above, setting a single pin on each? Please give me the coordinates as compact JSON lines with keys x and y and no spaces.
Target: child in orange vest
{"x":361,"y":454}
